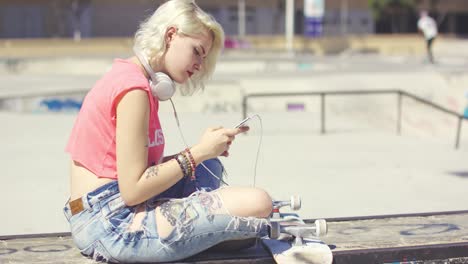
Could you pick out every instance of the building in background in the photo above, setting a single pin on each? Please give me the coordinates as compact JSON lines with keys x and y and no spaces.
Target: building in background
{"x":119,"y":18}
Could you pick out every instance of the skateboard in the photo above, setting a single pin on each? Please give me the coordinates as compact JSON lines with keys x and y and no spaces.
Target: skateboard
{"x":291,"y":240}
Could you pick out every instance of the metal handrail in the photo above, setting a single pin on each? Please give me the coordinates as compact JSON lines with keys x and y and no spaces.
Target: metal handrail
{"x":323,"y":95}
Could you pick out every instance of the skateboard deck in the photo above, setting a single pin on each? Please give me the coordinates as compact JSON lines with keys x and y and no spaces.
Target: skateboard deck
{"x":312,"y":251}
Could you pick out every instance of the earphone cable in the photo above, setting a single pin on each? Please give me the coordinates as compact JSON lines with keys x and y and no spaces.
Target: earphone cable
{"x":204,"y":166}
{"x":258,"y":149}
{"x":186,"y":145}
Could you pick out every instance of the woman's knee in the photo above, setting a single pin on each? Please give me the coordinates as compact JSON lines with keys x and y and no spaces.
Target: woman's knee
{"x":246,"y":202}
{"x":264,"y":201}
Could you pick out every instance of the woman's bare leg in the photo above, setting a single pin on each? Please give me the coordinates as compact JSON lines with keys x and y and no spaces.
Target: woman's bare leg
{"x":245,"y":201}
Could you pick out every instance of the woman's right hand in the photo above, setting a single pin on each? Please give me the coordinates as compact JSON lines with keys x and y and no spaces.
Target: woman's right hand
{"x":216,"y":141}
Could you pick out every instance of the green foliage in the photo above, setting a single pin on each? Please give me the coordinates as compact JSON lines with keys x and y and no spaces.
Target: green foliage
{"x":380,"y":7}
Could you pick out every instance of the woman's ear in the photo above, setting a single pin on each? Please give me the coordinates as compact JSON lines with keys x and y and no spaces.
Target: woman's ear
{"x":170,"y":34}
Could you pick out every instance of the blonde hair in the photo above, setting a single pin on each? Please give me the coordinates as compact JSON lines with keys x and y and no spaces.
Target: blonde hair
{"x":190,"y":20}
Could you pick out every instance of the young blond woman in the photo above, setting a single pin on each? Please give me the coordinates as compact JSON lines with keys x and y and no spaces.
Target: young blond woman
{"x":128,"y":202}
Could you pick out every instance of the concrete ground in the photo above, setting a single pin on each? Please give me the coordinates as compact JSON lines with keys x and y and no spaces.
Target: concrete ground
{"x":361,"y":167}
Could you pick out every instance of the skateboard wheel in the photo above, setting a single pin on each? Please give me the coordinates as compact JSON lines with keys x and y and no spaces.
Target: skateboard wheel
{"x":274,"y":230}
{"x":321,"y":228}
{"x":295,"y":202}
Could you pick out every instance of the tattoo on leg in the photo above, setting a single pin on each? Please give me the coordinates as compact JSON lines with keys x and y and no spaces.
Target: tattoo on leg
{"x":152,"y":171}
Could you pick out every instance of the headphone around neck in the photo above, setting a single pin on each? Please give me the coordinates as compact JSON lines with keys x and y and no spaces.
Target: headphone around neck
{"x":162,"y":86}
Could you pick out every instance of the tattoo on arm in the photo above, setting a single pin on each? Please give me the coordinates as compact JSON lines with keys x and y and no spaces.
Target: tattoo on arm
{"x":152,"y":171}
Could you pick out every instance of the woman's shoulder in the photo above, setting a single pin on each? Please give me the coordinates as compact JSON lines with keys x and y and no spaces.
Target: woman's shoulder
{"x":127,"y":68}
{"x":125,"y":74}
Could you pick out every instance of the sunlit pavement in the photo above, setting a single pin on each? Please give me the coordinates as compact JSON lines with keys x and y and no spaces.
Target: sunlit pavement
{"x":361,"y":167}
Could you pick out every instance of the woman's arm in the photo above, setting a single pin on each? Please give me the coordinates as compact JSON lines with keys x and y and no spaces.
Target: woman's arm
{"x":137,"y":182}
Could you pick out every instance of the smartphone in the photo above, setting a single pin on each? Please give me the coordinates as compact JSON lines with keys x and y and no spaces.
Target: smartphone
{"x":241,"y":123}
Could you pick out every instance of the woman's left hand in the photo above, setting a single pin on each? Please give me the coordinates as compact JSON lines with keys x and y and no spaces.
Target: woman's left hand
{"x":241,"y":129}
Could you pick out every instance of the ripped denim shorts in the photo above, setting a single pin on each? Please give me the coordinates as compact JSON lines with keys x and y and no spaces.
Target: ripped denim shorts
{"x":101,"y":230}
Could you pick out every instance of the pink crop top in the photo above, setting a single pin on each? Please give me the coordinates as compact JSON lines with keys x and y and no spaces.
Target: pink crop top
{"x":92,"y":139}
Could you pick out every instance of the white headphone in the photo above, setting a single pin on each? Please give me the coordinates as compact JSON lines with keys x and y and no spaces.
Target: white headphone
{"x":161,"y":84}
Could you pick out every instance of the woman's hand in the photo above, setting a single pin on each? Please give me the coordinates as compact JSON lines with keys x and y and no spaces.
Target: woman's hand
{"x":216,"y":142}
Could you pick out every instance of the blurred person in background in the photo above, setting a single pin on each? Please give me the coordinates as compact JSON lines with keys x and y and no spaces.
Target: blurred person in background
{"x":428,"y":26}
{"x":128,"y":202}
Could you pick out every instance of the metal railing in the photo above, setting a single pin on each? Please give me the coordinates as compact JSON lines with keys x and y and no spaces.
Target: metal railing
{"x":323,"y":94}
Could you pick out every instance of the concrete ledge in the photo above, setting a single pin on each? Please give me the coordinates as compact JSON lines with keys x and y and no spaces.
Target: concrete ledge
{"x":436,"y":238}
{"x":386,"y":44}
{"x":37,"y":48}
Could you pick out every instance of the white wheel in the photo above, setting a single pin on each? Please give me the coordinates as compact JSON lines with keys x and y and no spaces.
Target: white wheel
{"x":321,"y":228}
{"x":295,"y":202}
{"x":274,"y":230}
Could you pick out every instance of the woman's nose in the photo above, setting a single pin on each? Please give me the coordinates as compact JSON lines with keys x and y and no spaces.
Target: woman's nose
{"x":198,"y":62}
{"x":196,"y":67}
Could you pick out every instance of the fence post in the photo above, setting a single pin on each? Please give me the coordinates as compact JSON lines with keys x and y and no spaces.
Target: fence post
{"x":244,"y":107}
{"x":457,"y":140}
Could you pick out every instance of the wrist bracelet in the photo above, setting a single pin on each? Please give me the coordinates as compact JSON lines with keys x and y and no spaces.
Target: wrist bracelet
{"x":192,"y":163}
{"x":189,"y":165}
{"x":183,"y":165}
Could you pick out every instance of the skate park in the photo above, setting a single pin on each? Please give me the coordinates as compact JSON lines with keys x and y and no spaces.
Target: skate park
{"x":358,"y":172}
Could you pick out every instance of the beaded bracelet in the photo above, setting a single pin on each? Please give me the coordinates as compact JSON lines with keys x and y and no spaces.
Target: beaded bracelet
{"x":187,"y":164}
{"x":192,"y":162}
{"x":183,"y":164}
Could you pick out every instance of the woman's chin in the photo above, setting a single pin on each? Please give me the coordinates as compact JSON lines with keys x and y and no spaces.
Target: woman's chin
{"x":181,"y":80}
